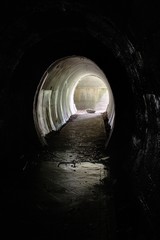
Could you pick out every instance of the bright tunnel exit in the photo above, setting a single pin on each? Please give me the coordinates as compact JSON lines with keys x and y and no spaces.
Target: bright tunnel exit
{"x":70,"y":84}
{"x":91,"y":93}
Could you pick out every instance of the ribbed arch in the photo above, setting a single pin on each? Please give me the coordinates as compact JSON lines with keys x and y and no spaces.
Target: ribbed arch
{"x":54,"y":98}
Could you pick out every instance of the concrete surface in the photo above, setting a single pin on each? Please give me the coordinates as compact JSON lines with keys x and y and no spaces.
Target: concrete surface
{"x":68,"y":194}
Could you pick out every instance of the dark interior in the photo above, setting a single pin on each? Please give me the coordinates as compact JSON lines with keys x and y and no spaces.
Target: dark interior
{"x":123,"y":38}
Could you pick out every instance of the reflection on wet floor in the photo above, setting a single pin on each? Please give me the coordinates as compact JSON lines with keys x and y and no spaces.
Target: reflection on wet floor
{"x":76,"y":172}
{"x":73,"y":199}
{"x":68,"y":195}
{"x":81,"y":139}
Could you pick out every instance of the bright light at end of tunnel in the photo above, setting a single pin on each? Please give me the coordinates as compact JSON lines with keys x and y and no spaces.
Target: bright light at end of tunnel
{"x":91,"y":93}
{"x":69,"y":84}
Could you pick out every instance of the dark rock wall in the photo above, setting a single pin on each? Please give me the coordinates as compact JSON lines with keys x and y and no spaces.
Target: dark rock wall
{"x":123,"y":38}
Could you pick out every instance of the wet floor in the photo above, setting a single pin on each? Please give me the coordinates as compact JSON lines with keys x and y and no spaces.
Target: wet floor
{"x":68,"y":194}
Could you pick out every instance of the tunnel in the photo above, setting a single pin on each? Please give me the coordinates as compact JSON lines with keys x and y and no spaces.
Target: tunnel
{"x":66,"y":74}
{"x":119,"y":41}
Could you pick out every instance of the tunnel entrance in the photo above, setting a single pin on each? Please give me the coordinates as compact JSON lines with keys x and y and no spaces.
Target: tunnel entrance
{"x":31,"y":41}
{"x":75,"y":166}
{"x":69,"y":84}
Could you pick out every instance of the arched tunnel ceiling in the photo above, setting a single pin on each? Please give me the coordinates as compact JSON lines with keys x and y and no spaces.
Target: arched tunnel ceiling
{"x":55,"y":93}
{"x":129,"y":31}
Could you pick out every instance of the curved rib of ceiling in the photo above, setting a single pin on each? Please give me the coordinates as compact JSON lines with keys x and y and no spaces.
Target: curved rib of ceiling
{"x":54,"y":97}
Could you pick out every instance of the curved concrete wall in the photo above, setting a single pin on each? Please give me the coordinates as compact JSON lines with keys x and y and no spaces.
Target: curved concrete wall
{"x":122,"y":37}
{"x":54,"y":98}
